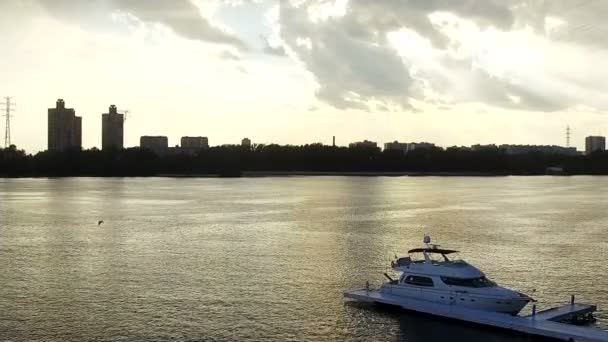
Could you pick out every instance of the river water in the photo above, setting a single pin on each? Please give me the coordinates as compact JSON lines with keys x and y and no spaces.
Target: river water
{"x":269,"y":258}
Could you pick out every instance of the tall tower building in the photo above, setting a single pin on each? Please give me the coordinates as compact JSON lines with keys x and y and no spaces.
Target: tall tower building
{"x":112,"y":129}
{"x":64,"y":128}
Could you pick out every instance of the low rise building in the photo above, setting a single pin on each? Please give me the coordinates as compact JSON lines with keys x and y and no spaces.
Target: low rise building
{"x":395,"y":146}
{"x":363,"y":144}
{"x":543,"y":149}
{"x":194,"y":143}
{"x":479,"y":148}
{"x":408,"y":147}
{"x":156,"y":144}
{"x":420,"y":146}
{"x":595,"y":144}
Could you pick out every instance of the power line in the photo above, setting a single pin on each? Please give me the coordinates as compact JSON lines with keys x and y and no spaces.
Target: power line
{"x":8,"y":107}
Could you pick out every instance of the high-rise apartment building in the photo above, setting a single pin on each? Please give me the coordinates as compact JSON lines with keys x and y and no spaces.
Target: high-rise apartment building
{"x":64,"y":128}
{"x":112,"y":129}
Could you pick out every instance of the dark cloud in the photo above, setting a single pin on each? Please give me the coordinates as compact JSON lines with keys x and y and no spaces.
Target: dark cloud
{"x":181,"y":16}
{"x":272,"y":49}
{"x":390,"y":15}
{"x":349,"y":70}
{"x":275,"y":50}
{"x":584,"y":20}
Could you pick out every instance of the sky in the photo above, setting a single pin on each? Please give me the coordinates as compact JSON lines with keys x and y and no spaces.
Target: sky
{"x":458,"y":72}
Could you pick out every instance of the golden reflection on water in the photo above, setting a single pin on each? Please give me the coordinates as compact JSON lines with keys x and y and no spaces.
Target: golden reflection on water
{"x":269,"y":258}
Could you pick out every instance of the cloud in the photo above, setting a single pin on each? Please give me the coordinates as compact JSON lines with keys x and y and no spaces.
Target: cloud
{"x":348,"y":52}
{"x":583,"y":21}
{"x":384,"y":16}
{"x":274,"y":48}
{"x":229,"y":55}
{"x":349,"y":70}
{"x":181,"y":16}
{"x":519,"y":54}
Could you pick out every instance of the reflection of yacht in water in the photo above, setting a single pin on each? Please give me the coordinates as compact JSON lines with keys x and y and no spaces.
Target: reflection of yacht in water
{"x":432,"y":274}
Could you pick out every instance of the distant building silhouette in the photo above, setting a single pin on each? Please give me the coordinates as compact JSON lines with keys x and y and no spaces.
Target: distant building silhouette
{"x":246,"y":143}
{"x":420,"y":146}
{"x":364,"y":144}
{"x":396,"y":146}
{"x":157,"y":144}
{"x":194,"y":143}
{"x":543,"y":149}
{"x":480,"y":148}
{"x":407,"y":147}
{"x":64,"y":128}
{"x":112,"y":129}
{"x":595,"y":144}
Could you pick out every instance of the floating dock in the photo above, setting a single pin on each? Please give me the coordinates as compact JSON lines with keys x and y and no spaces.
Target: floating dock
{"x":545,"y":323}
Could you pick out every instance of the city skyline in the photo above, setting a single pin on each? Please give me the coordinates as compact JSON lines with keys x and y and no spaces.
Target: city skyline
{"x":113,"y":123}
{"x":226,"y":71}
{"x":65,"y":133}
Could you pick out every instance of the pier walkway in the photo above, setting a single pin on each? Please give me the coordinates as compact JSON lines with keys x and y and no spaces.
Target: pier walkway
{"x":541,"y":324}
{"x":565,"y":312}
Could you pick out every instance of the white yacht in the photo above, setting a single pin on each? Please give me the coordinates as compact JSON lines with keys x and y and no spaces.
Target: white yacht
{"x":433,"y":274}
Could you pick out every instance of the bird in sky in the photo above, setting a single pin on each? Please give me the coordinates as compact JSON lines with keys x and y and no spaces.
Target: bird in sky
{"x":99,"y":223}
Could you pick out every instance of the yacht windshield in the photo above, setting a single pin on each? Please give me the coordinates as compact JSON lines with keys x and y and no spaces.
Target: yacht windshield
{"x":438,"y":258}
{"x":435,"y":257}
{"x":471,"y":282}
{"x":417,"y":257}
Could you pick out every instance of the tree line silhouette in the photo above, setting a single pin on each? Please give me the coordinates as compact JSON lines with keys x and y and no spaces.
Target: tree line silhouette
{"x":235,"y":160}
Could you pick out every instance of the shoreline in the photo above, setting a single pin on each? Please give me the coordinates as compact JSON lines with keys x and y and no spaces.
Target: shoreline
{"x":369,"y":174}
{"x":262,"y":174}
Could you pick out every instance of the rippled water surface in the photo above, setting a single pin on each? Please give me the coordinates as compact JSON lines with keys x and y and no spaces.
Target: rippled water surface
{"x":269,"y":258}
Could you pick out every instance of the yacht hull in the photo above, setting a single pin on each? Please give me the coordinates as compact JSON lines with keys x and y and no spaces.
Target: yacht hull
{"x":503,"y":304}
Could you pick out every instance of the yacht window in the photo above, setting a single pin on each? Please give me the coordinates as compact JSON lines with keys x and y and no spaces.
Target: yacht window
{"x":472,"y":282}
{"x":419,"y":281}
